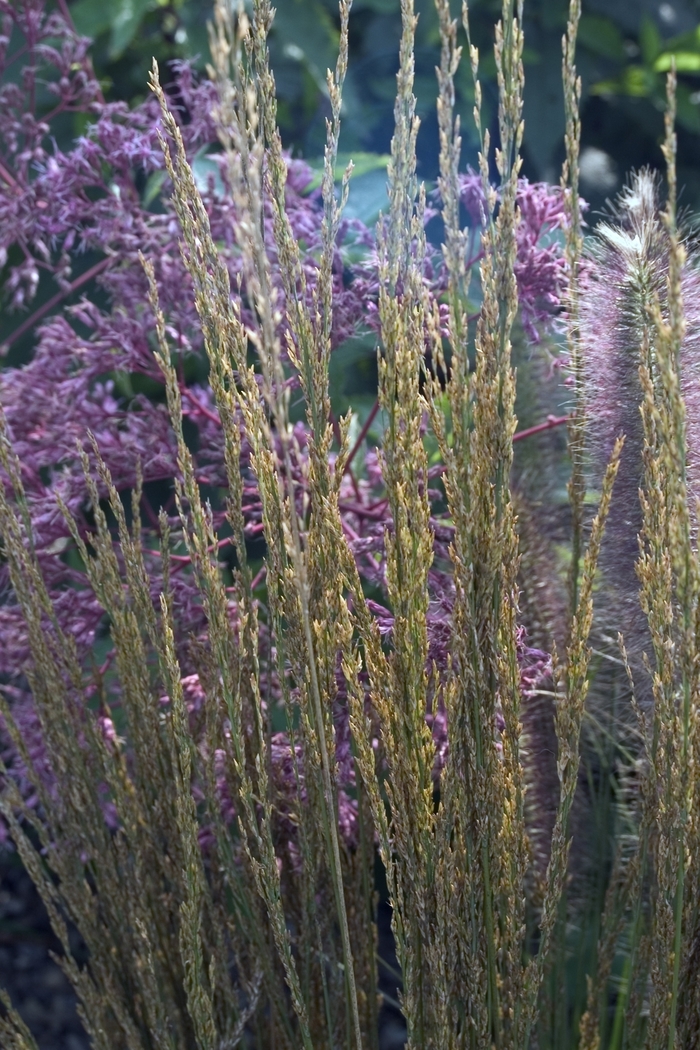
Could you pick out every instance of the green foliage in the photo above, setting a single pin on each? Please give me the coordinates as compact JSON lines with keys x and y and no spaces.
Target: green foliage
{"x":128,"y":33}
{"x":647,"y":79}
{"x":623,"y":55}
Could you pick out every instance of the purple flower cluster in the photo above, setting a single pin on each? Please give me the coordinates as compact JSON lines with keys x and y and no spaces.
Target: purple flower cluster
{"x":287,"y":768}
{"x":50,"y":44}
{"x":91,"y":365}
{"x":540,"y":266}
{"x":73,"y":216}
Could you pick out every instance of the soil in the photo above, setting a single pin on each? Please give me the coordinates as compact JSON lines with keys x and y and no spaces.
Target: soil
{"x":43,"y":996}
{"x":37,"y":987}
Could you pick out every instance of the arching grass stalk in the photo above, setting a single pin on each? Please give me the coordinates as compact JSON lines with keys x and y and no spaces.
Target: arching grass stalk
{"x":226,"y":343}
{"x":309,"y":348}
{"x":572,"y":684}
{"x":312,"y":362}
{"x":481,"y":818}
{"x":409,"y":550}
{"x":574,"y":243}
{"x":670,"y":587}
{"x":238,"y":118}
{"x":257,"y":167}
{"x":671,"y":334}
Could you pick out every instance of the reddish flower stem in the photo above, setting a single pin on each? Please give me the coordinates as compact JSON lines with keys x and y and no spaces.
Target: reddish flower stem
{"x":362,"y":435}
{"x":362,"y":512}
{"x":55,"y":300}
{"x":258,"y":578}
{"x":202,"y":409}
{"x":68,"y":18}
{"x":474,"y":260}
{"x":551,"y":421}
{"x":9,"y":178}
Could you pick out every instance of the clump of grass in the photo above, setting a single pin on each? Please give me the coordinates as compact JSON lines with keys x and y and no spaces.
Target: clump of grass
{"x":259,"y":928}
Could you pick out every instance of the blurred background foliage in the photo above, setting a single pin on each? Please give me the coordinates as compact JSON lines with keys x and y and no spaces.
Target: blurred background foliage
{"x":625,"y":47}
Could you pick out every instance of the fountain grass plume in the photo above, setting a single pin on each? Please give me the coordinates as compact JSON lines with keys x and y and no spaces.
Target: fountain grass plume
{"x":626,"y":279}
{"x":649,"y":333}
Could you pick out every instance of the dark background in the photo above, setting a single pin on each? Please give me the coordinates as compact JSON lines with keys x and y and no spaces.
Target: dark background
{"x":624,"y":48}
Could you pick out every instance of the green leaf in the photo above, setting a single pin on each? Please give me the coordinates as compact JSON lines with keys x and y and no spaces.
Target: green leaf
{"x":688,"y":110}
{"x":686,"y":51}
{"x":380,"y":7}
{"x":367,"y":197}
{"x":363,"y":163}
{"x":309,"y":36}
{"x":638,"y":82}
{"x":353,"y":374}
{"x":91,"y":18}
{"x":650,"y":40}
{"x":126,"y":17}
{"x":202,"y":167}
{"x":634,"y":81}
{"x":531,"y":57}
{"x":154,"y":184}
{"x":601,"y":36}
{"x":684,"y":42}
{"x":686,"y":62}
{"x":543,"y":106}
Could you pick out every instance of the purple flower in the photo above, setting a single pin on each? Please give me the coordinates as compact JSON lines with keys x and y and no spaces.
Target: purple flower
{"x":471,"y":197}
{"x":540,"y":266}
{"x":93,"y":366}
{"x":89,"y":362}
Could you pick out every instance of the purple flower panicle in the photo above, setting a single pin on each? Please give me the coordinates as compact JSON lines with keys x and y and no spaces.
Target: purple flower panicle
{"x":72,"y":219}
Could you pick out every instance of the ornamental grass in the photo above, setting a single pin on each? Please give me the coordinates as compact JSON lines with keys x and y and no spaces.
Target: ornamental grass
{"x":262,"y":663}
